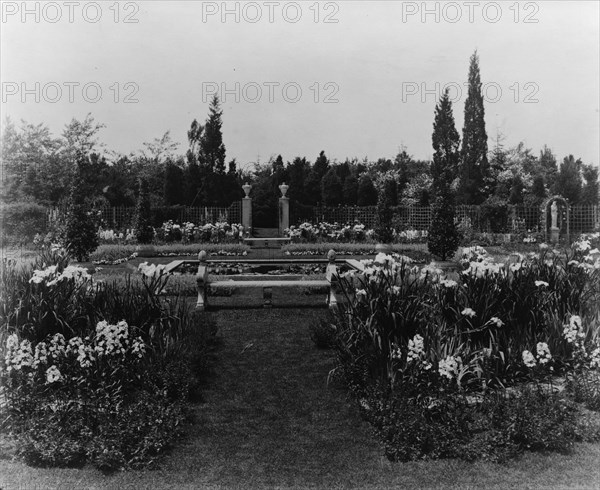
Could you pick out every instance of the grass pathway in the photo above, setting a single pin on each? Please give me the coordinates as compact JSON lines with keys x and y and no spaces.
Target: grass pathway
{"x":270,"y":420}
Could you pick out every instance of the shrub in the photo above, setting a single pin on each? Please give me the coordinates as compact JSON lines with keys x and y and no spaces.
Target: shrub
{"x":533,"y":418}
{"x":22,"y":221}
{"x":443,"y":237}
{"x":323,"y":333}
{"x":81,"y":228}
{"x":144,"y":232}
{"x":494,"y":212}
{"x":367,"y":194}
{"x":498,"y":427}
{"x":383,"y":229}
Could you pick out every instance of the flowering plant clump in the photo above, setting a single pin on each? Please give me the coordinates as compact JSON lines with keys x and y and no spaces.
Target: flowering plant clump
{"x":121,"y":409}
{"x":115,"y":261}
{"x":410,"y":236}
{"x":170,"y":231}
{"x":54,"y":353}
{"x":347,"y":233}
{"x":449,"y":366}
{"x":112,"y":236}
{"x":331,"y":232}
{"x":112,"y":394}
{"x":421,"y":348}
{"x":154,"y":278}
{"x":585,"y":353}
{"x":186,"y":232}
{"x":542,"y":357}
{"x":94,"y":383}
{"x":474,"y":254}
{"x":51,"y":276}
{"x":481,"y":316}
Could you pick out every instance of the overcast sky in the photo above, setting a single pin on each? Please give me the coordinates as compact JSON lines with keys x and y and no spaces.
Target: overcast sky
{"x":353,"y":78}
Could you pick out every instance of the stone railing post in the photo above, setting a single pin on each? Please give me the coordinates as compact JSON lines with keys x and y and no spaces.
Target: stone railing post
{"x":202,"y":281}
{"x":331,"y":274}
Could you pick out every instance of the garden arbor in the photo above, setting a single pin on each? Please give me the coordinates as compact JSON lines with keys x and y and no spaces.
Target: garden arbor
{"x":558,"y":207}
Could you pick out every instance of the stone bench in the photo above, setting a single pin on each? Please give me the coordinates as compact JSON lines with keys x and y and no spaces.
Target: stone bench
{"x":267,"y":285}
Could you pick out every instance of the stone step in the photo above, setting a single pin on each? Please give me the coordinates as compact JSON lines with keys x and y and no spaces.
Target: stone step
{"x":265,"y":232}
{"x":262,"y":242}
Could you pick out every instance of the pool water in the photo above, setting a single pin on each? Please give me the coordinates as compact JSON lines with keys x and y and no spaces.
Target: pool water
{"x":270,"y":269}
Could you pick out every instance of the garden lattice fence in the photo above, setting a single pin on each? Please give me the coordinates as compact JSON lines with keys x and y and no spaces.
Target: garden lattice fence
{"x":483,"y":219}
{"x":122,"y":217}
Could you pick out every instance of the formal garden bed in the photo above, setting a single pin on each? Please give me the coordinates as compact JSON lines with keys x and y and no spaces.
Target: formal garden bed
{"x":113,"y":254}
{"x":462,"y":366}
{"x":95,"y":372}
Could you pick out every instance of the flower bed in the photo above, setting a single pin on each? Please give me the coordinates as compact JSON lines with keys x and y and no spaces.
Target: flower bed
{"x":347,"y":233}
{"x":417,"y":252}
{"x":331,"y":232}
{"x":415,"y":346}
{"x":91,"y":371}
{"x":116,"y":254}
{"x":172,"y":232}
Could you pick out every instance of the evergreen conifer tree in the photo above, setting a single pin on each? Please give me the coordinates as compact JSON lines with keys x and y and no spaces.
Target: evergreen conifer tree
{"x":443,"y":237}
{"x":474,"y":169}
{"x":144,"y":232}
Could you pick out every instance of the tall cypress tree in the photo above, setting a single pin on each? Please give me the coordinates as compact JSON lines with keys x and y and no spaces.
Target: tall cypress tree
{"x":212,"y":148}
{"x":474,"y":171}
{"x":443,"y":237}
{"x":446,"y":142}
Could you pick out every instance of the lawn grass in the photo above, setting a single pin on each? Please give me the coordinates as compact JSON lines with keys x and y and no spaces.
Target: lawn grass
{"x":269,"y":419}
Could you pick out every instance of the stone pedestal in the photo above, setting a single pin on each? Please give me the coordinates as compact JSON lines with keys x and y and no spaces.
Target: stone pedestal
{"x":247,"y":214}
{"x":554,"y":234}
{"x":284,"y":214}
